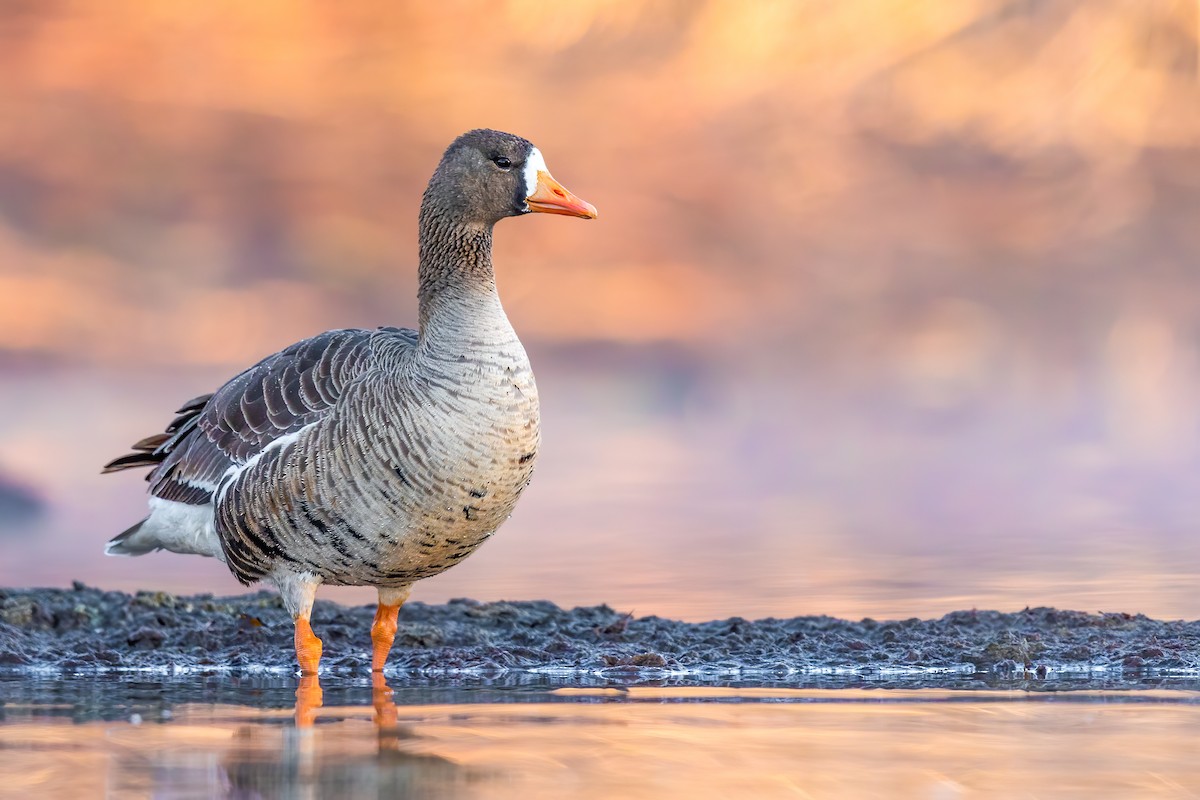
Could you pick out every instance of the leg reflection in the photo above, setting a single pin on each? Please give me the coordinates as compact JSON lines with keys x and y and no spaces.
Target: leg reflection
{"x":386,"y":713}
{"x":308,"y":700}
{"x":343,"y":758}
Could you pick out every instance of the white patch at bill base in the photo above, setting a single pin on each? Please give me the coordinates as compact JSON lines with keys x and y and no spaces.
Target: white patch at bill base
{"x":533,"y":165}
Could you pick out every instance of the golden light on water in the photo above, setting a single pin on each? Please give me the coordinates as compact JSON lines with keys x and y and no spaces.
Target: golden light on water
{"x":654,"y":743}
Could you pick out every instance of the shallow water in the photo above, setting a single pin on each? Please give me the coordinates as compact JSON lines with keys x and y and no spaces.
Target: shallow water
{"x":102,"y":737}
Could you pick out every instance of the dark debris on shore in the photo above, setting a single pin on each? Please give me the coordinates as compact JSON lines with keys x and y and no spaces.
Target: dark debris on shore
{"x":84,"y":629}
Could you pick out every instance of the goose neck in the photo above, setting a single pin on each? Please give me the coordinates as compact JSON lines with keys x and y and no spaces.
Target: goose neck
{"x":457,"y":286}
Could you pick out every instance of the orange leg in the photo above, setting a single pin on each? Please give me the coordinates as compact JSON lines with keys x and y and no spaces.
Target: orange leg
{"x":308,"y":647}
{"x":383,"y":633}
{"x":308,"y":700}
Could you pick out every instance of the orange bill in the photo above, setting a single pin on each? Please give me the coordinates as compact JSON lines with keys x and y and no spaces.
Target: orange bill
{"x":551,"y":197}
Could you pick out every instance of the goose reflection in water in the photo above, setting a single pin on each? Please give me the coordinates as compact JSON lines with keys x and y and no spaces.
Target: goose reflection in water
{"x":306,"y":763}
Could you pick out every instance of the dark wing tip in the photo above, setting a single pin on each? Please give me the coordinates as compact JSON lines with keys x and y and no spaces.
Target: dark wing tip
{"x":153,"y":450}
{"x":195,"y":404}
{"x":130,"y":461}
{"x":152,"y":443}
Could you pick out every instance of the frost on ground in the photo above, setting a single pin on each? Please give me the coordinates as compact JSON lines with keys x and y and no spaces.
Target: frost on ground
{"x":83,"y":629}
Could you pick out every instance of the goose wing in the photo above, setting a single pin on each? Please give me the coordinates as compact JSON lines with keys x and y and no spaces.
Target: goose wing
{"x":277,"y":396}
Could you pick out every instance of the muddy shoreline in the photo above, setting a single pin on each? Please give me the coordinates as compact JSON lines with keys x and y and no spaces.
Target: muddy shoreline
{"x":84,"y":630}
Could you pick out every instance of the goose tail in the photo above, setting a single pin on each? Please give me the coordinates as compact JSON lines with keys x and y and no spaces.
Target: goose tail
{"x":129,"y":543}
{"x":177,"y":527}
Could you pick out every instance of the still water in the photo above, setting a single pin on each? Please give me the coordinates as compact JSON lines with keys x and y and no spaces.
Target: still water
{"x":277,"y":737}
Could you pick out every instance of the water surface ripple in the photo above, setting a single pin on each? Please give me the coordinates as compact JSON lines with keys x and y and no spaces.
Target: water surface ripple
{"x":264,"y":736}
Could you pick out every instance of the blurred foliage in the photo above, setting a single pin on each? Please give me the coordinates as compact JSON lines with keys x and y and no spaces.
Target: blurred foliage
{"x":952,"y":200}
{"x":918,"y":179}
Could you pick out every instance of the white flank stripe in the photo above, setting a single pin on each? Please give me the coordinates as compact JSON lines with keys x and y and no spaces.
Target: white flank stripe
{"x":233,"y":472}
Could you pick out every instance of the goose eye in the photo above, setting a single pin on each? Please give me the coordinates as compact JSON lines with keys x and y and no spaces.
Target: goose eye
{"x":501,"y":161}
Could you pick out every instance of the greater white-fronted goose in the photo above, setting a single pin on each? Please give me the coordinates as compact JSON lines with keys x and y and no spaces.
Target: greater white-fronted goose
{"x":369,"y":457}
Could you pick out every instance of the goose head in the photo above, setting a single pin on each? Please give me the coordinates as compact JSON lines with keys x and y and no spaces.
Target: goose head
{"x":488,"y":175}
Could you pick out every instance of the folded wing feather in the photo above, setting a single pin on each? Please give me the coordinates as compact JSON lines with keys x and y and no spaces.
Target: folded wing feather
{"x":276,"y":397}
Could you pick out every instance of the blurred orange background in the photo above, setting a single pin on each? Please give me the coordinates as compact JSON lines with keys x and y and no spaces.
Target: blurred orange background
{"x":892,"y":307}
